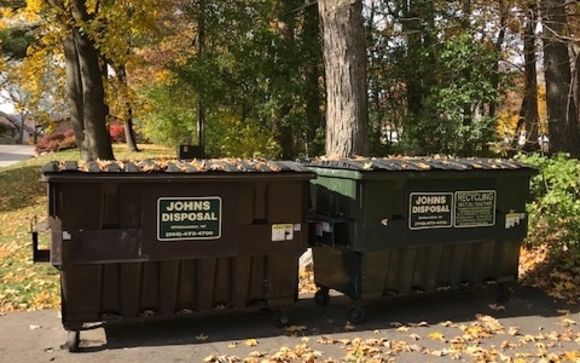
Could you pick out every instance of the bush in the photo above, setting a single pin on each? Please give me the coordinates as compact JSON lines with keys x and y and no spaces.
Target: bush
{"x":56,"y":141}
{"x":555,"y":211}
{"x":117,"y":132}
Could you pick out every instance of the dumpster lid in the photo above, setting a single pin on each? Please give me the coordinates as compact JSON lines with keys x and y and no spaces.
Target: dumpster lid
{"x":175,"y":166}
{"x":419,"y":164}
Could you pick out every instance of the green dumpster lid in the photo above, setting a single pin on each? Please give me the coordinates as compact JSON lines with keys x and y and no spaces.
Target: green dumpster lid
{"x":419,"y":164}
{"x":175,"y":166}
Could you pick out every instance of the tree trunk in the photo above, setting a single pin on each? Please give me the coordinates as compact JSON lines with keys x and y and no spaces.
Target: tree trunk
{"x":130,"y":138}
{"x":498,"y":48}
{"x":529,"y":110}
{"x":314,"y":117}
{"x":413,"y":30}
{"x":576,"y":125}
{"x":561,"y":108}
{"x":96,"y":142}
{"x":74,"y":91}
{"x":200,"y":109}
{"x":345,"y":67}
{"x":281,"y":129}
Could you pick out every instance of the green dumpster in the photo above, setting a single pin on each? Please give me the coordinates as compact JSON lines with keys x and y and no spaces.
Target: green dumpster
{"x":383,"y":227}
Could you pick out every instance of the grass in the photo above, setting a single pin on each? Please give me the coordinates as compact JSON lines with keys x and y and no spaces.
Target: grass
{"x":24,"y":286}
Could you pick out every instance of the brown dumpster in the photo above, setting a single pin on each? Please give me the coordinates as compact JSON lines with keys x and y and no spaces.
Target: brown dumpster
{"x":162,"y":239}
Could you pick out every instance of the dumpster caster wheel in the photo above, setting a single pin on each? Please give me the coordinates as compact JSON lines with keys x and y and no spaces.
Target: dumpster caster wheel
{"x":357,"y":314}
{"x":283,"y":319}
{"x":73,"y":340}
{"x":321,"y":297}
{"x":503,"y":294}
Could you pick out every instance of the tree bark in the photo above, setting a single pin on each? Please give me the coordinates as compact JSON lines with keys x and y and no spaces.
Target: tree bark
{"x":529,"y":110}
{"x":130,"y":137}
{"x":346,"y":87}
{"x":413,"y":29}
{"x":96,"y":141}
{"x":74,"y":91}
{"x":200,"y":108}
{"x":314,"y":117}
{"x":281,"y":129}
{"x":561,"y":108}
{"x":498,"y":48}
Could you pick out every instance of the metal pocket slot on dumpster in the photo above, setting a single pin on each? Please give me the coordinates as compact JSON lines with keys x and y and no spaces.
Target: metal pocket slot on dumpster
{"x":386,"y":227}
{"x":160,"y":239}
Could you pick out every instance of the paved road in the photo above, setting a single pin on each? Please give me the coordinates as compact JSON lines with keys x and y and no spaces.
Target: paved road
{"x":38,"y":336}
{"x":10,"y":154}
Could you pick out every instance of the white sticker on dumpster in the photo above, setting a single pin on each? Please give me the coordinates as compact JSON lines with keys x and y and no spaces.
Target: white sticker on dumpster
{"x":429,"y":210}
{"x":475,"y":208}
{"x":189,"y":218}
{"x":282,"y":232}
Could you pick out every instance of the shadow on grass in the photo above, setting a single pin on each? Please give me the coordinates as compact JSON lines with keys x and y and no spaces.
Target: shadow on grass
{"x":456,"y":306}
{"x":20,"y":188}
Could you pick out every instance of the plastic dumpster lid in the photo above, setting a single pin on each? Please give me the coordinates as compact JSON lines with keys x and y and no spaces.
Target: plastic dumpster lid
{"x":420,"y":164}
{"x":176,"y":166}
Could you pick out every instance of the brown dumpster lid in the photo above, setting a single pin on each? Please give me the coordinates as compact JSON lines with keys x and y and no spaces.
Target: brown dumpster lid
{"x":176,"y":166}
{"x":425,"y":163}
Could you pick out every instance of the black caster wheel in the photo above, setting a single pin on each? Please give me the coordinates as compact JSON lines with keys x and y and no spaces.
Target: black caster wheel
{"x":503,"y":294}
{"x":357,"y":314}
{"x":321,"y":297}
{"x":73,"y":340}
{"x":283,"y":319}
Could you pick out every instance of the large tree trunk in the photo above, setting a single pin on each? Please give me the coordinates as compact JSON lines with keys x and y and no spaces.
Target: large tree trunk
{"x":529,"y":110}
{"x":345,"y":67}
{"x":561,"y":108}
{"x":74,"y":91}
{"x":97,"y":140}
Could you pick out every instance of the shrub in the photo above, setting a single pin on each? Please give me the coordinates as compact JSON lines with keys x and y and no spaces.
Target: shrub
{"x":555,"y":210}
{"x":117,"y":132}
{"x":56,"y":141}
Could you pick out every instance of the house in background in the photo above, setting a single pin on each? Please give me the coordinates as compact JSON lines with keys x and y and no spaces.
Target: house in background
{"x":8,"y":132}
{"x":10,"y":129}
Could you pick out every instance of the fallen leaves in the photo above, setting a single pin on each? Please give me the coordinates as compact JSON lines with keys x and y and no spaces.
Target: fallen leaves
{"x":538,"y":269}
{"x":566,"y":322}
{"x":436,"y":336}
{"x":295,"y":329}
{"x":348,"y":326}
{"x":201,"y":337}
{"x":251,"y":342}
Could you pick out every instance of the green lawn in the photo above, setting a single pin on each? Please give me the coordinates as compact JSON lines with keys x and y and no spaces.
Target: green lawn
{"x":24,"y":286}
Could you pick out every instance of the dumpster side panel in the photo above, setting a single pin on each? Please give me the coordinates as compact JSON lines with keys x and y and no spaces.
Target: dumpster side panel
{"x":106,"y":292}
{"x":336,"y":196}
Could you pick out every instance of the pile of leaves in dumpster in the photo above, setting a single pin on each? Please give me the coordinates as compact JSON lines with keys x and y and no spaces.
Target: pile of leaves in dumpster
{"x":24,"y":286}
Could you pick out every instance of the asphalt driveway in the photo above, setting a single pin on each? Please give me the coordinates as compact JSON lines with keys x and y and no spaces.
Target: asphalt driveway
{"x":529,"y":326}
{"x":10,"y":154}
